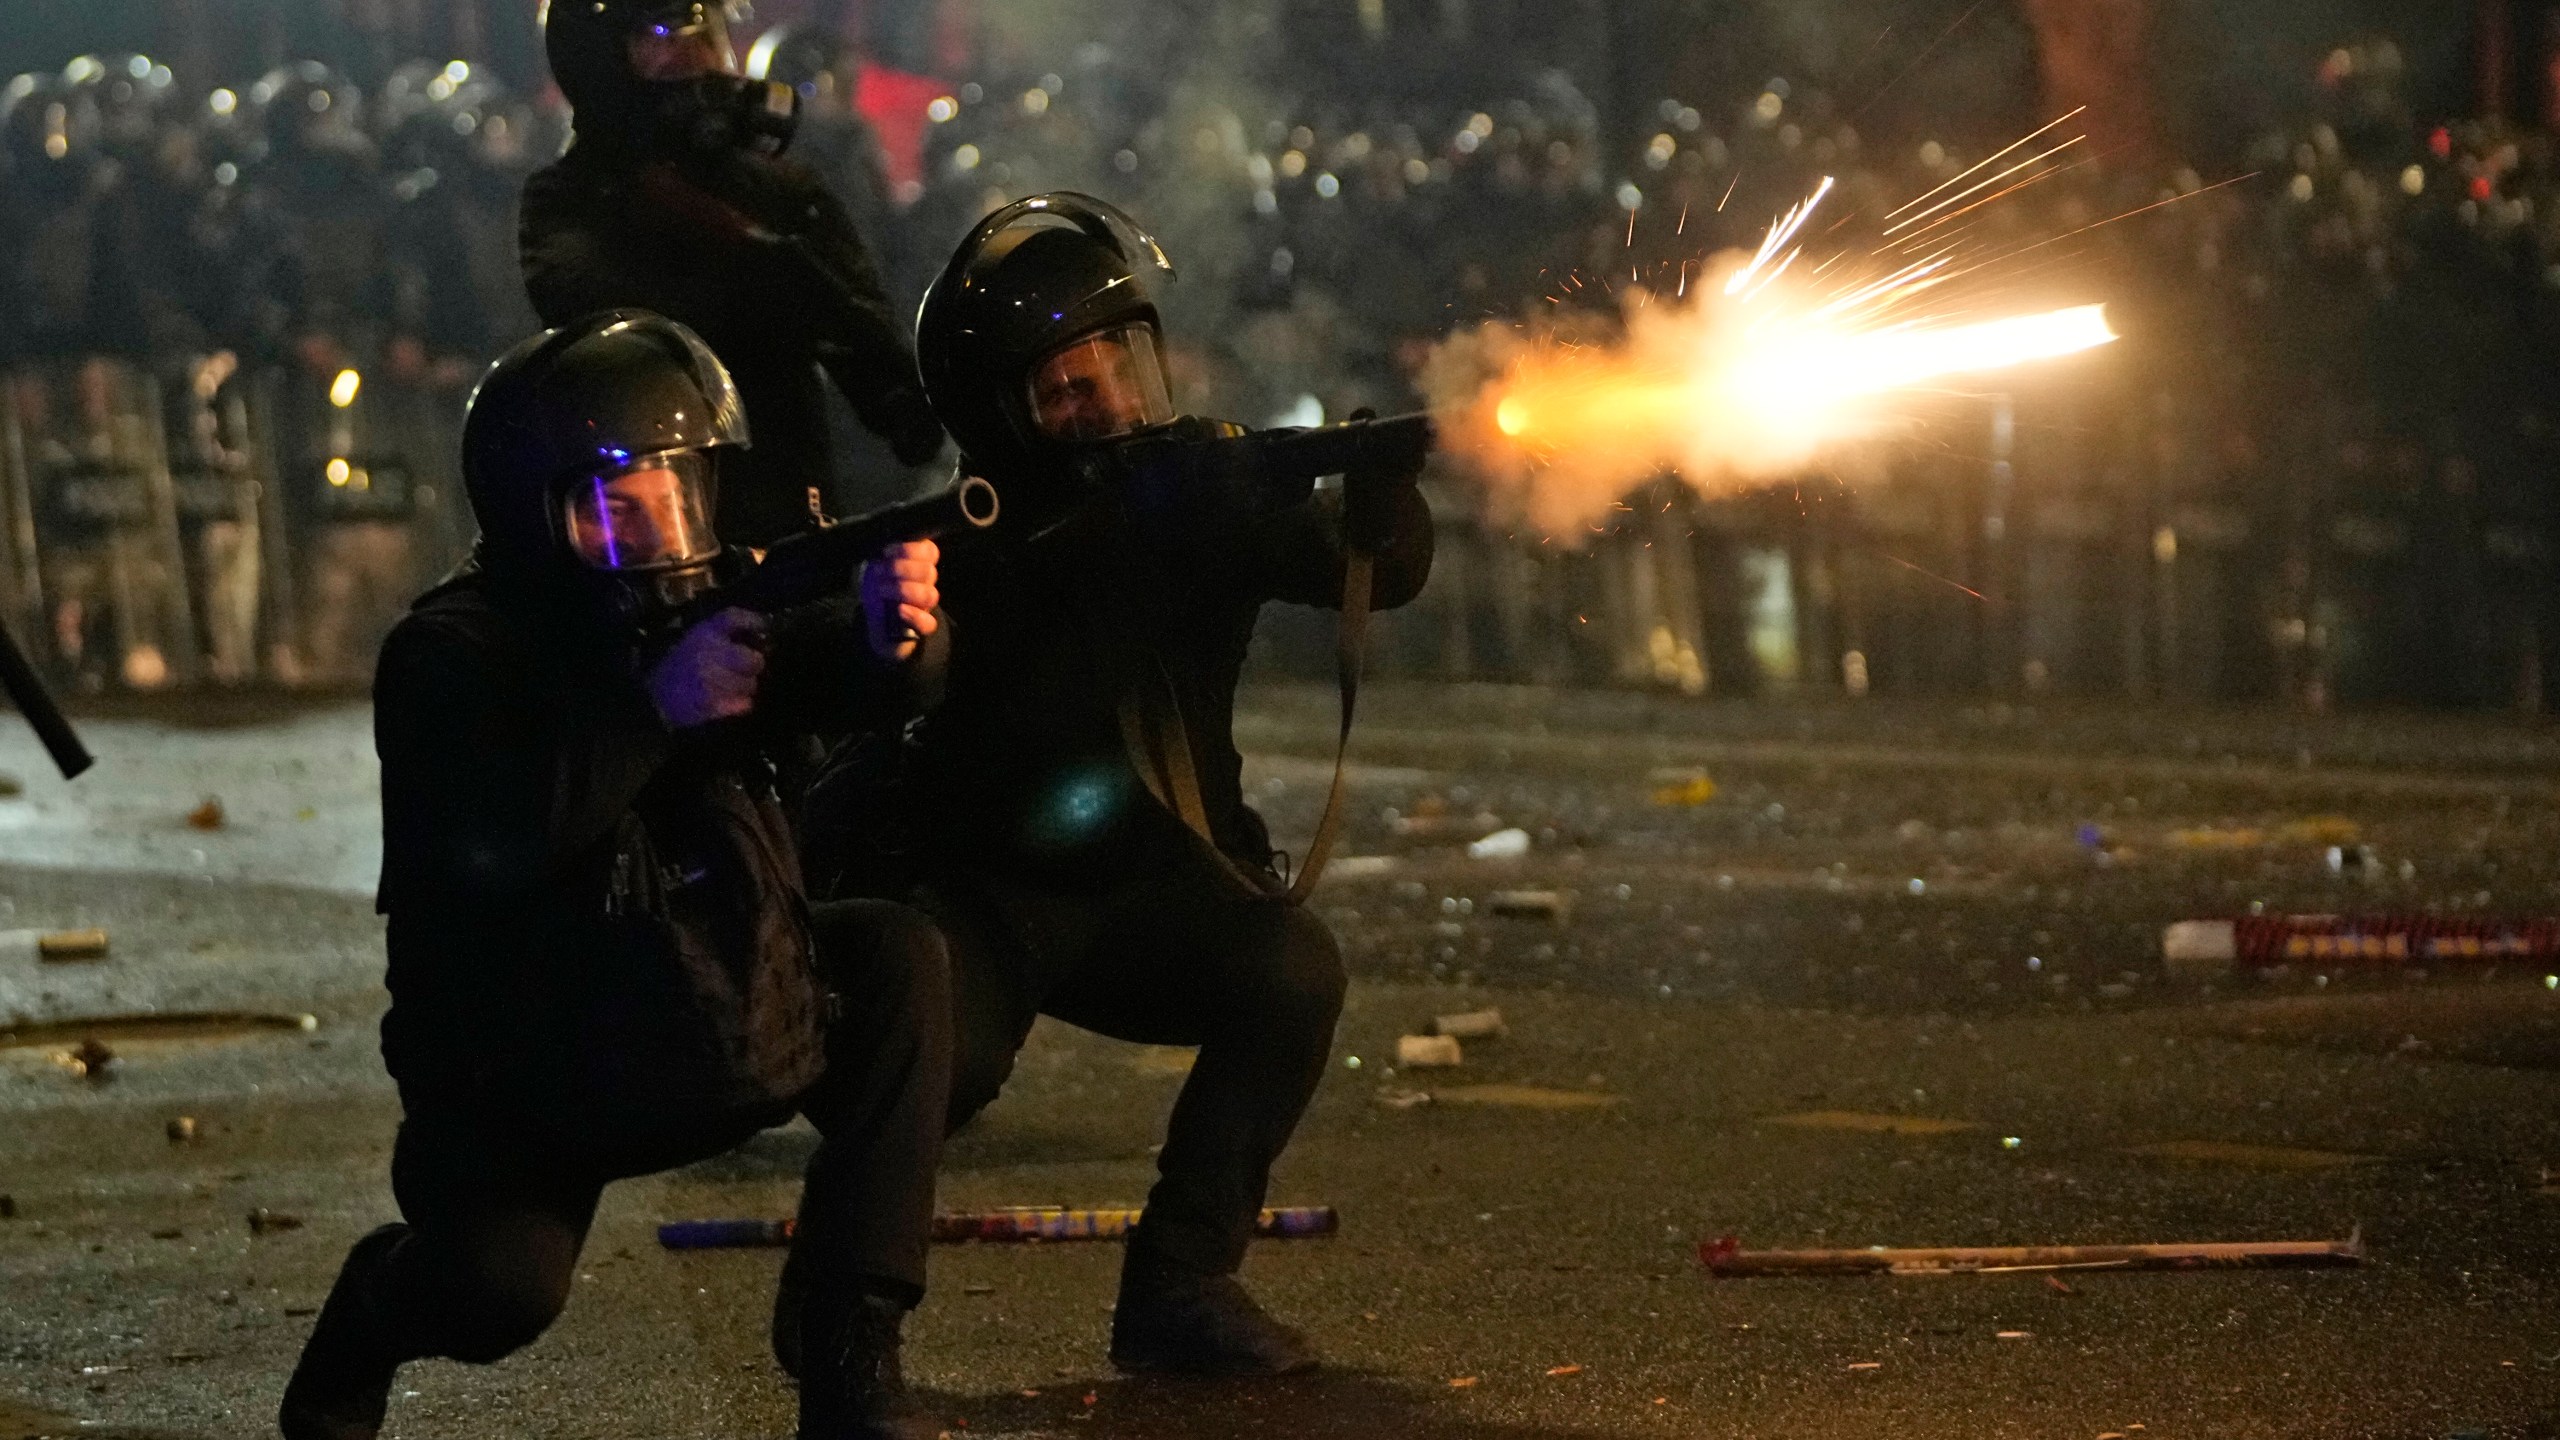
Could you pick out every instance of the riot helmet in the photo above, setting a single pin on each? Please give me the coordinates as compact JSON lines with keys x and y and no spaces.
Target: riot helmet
{"x":130,"y":93}
{"x":656,"y":74}
{"x":49,"y":139}
{"x":1040,"y":337}
{"x":591,"y":457}
{"x":307,"y":109}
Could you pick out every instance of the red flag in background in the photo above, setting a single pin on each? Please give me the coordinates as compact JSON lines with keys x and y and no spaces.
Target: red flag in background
{"x":894,"y":102}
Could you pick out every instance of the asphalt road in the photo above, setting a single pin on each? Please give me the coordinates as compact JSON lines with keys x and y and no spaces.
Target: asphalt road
{"x":1752,"y":1021}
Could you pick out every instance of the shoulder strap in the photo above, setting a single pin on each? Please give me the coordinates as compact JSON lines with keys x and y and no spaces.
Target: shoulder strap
{"x":1159,"y":744}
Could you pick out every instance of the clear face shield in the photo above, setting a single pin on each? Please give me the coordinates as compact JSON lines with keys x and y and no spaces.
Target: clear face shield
{"x":685,"y":42}
{"x":1108,"y":384}
{"x":653,"y":516}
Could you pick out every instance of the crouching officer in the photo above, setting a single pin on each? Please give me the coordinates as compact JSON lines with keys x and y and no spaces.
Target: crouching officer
{"x":601,"y":964}
{"x":1092,"y":626}
{"x":674,"y":197}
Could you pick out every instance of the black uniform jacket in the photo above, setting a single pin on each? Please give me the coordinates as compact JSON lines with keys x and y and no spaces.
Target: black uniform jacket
{"x":1025,"y":768}
{"x":597,"y":931}
{"x":605,"y":227}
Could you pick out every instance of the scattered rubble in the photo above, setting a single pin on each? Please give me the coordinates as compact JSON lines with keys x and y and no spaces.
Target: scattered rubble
{"x":1509,"y":844}
{"x":263,"y":1221}
{"x":1428,"y":1052}
{"x":207,"y":816}
{"x":183,"y":1130}
{"x":1469,"y":1025}
{"x":1553,"y":906}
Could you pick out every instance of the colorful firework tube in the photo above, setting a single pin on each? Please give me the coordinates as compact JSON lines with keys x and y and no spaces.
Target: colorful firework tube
{"x":1019,"y":1223}
{"x":2260,"y":941}
{"x":1726,"y":1257}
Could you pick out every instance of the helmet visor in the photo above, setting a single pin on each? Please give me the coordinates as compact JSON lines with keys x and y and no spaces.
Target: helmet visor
{"x":655,"y":515}
{"x":683,"y":42}
{"x":1107,"y":384}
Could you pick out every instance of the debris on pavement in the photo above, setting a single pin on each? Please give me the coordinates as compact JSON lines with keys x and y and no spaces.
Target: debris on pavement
{"x":1361,"y":867}
{"x":1508,"y":844}
{"x":1524,"y":1097}
{"x":1030,"y":1223}
{"x":263,"y":1221}
{"x":1469,"y":1025}
{"x":1428,"y":1052}
{"x":11,"y":787}
{"x":61,"y":945}
{"x":1686,"y":788}
{"x":89,"y":1060}
{"x":207,"y":816}
{"x":183,"y":1130}
{"x":1463,"y":1382}
{"x":8,"y":1207}
{"x":53,"y":945}
{"x":2198,"y":948}
{"x":1397,"y":1098}
{"x":1564,"y":1370}
{"x":1553,"y":906}
{"x":1726,"y":1257}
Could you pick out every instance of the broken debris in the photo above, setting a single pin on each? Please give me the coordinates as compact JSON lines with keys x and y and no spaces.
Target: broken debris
{"x":183,"y":1130}
{"x":1469,"y":1025}
{"x":1726,"y":1257}
{"x":263,"y":1221}
{"x":207,"y":816}
{"x":90,"y":1060}
{"x":1013,"y":1223}
{"x":1509,"y":844}
{"x":1553,"y":906}
{"x":1428,"y":1052}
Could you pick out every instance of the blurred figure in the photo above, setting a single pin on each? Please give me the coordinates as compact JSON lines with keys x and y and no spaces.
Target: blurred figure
{"x":674,"y":197}
{"x":92,"y":519}
{"x":317,"y":281}
{"x":452,"y":146}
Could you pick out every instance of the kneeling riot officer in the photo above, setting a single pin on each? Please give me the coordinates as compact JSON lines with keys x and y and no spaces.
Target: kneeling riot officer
{"x":674,"y":197}
{"x":601,"y":962}
{"x":1067,"y":881}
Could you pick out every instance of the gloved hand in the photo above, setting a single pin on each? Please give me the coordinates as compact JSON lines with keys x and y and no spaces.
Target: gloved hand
{"x":899,"y":595}
{"x":711,"y":672}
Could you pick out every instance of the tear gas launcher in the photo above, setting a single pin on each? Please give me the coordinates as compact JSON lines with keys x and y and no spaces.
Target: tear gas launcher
{"x":813,"y":565}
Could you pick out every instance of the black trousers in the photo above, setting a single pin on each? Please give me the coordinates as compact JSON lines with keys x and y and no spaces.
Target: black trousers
{"x":1175,"y":957}
{"x":484,"y":1260}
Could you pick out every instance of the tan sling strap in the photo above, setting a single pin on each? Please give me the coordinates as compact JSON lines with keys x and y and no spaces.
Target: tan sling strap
{"x":1159,"y":744}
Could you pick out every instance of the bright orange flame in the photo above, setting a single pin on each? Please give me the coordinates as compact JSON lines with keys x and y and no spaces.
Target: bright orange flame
{"x":1753,"y":373}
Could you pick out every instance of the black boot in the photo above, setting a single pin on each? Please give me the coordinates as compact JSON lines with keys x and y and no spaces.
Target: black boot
{"x":342,"y":1385}
{"x":852,"y":1386}
{"x":790,"y":1307}
{"x":1172,"y":1323}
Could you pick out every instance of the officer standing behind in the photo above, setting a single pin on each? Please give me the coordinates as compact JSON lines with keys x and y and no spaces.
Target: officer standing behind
{"x":1063,"y":884}
{"x":673,"y":197}
{"x":601,"y":963}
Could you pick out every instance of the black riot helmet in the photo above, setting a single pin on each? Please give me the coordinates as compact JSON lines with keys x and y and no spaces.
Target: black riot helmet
{"x":307,"y":109}
{"x":596,"y":47}
{"x":50,"y":146}
{"x":590,"y":454}
{"x":1040,"y":337}
{"x":131,"y":94}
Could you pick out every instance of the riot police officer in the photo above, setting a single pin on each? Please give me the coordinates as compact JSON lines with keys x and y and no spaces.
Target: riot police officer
{"x":674,"y":196}
{"x":80,"y":311}
{"x":601,"y":964}
{"x":1099,"y":635}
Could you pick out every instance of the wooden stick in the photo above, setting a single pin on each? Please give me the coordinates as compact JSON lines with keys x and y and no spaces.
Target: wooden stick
{"x":1726,"y":1257}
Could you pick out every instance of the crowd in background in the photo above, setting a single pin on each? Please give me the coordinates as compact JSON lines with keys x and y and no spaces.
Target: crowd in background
{"x":2320,"y":472}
